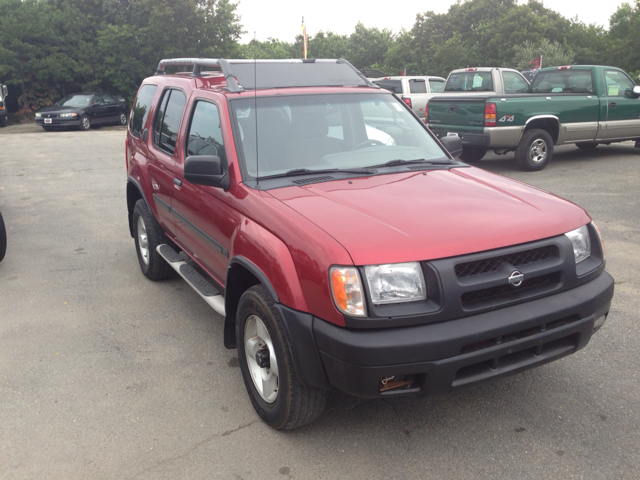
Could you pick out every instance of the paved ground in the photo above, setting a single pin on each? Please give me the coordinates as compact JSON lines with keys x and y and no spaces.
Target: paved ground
{"x":105,"y":375}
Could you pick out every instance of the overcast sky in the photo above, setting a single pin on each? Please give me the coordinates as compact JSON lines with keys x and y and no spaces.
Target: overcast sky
{"x":282,"y":19}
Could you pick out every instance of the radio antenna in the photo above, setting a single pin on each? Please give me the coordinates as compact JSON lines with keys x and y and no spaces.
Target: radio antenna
{"x":255,"y":105}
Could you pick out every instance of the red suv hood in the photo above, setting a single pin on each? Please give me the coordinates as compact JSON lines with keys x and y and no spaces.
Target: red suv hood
{"x":413,"y":216}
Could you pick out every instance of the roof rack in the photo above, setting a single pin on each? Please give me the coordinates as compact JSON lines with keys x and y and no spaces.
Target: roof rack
{"x":249,"y":74}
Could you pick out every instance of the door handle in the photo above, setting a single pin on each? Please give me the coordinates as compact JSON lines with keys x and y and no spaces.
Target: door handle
{"x":177,"y":182}
{"x":613,"y":104}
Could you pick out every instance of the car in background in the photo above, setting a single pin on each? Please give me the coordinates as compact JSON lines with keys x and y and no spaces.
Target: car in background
{"x":415,"y":90}
{"x":83,"y":111}
{"x":3,"y":108}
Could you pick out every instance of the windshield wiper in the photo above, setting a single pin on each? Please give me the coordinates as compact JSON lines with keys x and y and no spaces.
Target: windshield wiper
{"x":307,"y":171}
{"x":397,"y":161}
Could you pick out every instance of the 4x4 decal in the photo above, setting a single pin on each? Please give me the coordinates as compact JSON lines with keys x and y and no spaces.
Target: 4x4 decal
{"x":507,"y":118}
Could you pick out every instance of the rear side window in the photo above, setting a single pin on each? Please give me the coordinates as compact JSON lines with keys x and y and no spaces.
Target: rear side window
{"x":205,"y":132}
{"x":394,"y":86}
{"x":167,"y":122}
{"x":417,"y":86}
{"x":436,"y":86}
{"x":563,"y":81}
{"x":141,"y":109}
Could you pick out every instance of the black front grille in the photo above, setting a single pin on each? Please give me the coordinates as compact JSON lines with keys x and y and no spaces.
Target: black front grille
{"x":487,"y":265}
{"x":470,"y":299}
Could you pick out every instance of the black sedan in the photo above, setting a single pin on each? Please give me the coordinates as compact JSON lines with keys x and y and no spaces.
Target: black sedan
{"x":82,"y":111}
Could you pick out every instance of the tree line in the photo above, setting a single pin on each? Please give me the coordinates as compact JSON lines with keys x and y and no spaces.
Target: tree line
{"x":50,"y":48}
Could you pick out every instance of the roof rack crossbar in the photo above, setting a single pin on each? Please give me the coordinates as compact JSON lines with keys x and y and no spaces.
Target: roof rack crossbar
{"x":198,"y":63}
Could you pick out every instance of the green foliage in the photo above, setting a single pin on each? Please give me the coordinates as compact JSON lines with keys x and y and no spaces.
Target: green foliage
{"x":625,"y":37}
{"x":553,"y":54}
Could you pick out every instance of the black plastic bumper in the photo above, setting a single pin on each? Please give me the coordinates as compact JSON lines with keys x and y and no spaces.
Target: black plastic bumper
{"x":440,"y":357}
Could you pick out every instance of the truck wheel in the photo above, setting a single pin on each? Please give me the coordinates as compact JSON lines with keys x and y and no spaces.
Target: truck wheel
{"x":472,"y":154}
{"x":534,"y":150}
{"x":3,"y":238}
{"x":85,"y":123}
{"x":148,"y":235}
{"x":587,"y":145}
{"x":267,"y":368}
{"x":122,"y":118}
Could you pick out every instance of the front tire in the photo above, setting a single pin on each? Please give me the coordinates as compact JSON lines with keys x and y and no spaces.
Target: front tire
{"x":3,"y":238}
{"x":534,"y":150}
{"x":85,"y":123}
{"x":148,"y":235}
{"x":267,"y":366}
{"x":122,"y":119}
{"x":472,"y":154}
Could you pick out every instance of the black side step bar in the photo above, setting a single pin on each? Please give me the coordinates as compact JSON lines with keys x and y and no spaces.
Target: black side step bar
{"x":204,"y":288}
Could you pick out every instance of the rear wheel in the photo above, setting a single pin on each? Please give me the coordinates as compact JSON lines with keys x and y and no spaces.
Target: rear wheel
{"x":267,"y":367}
{"x":534,"y":150}
{"x":148,"y":235}
{"x":122,"y":119}
{"x":587,"y":145}
{"x":472,"y":154}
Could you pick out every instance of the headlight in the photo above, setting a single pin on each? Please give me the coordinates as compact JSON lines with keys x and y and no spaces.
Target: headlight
{"x":38,"y":115}
{"x":347,"y":290}
{"x":396,"y":283}
{"x":66,"y":115}
{"x":581,"y":243}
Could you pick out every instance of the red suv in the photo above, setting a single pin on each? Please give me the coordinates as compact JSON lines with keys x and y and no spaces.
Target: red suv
{"x":344,"y":246}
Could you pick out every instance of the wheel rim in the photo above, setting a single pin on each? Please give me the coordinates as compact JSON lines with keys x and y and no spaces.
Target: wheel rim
{"x":538,"y":151}
{"x":258,"y":344}
{"x":143,"y":241}
{"x":123,"y":119}
{"x":85,"y":123}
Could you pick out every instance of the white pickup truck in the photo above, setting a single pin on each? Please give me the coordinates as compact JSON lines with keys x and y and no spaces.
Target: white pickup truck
{"x":486,"y":79}
{"x":415,"y":91}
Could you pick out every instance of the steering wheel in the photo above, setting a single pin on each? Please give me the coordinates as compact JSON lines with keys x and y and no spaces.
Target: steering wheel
{"x":368,"y":143}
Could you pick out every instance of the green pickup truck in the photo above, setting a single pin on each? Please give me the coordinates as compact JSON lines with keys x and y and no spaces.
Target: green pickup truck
{"x":582,"y":104}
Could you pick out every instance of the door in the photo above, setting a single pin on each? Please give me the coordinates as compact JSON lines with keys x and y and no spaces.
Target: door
{"x":623,"y":110}
{"x":99,"y":111}
{"x":204,"y":217}
{"x":113,"y":109}
{"x":166,"y":126}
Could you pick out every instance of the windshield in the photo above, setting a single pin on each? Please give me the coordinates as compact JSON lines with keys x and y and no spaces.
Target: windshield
{"x":469,"y":82}
{"x":75,"y":101}
{"x":319,"y":132}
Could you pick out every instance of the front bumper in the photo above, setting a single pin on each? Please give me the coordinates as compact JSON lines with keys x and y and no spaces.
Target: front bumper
{"x":59,"y":122}
{"x":441,"y":357}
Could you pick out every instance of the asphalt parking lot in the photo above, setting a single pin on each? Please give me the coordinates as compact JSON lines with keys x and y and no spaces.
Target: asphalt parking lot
{"x":106,"y":375}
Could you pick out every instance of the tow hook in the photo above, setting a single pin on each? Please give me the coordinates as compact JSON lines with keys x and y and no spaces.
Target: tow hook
{"x":262,"y":357}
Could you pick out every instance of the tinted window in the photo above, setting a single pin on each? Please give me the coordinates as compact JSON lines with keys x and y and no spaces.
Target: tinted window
{"x":469,"y":82}
{"x":563,"y":81}
{"x":514,"y":83}
{"x":436,"y":86}
{"x":110,"y":99}
{"x":98,"y":99}
{"x":75,"y":101}
{"x":165,"y":129}
{"x":617,"y":83}
{"x":394,"y":86}
{"x":205,"y":132}
{"x":141,"y":109}
{"x":417,"y":86}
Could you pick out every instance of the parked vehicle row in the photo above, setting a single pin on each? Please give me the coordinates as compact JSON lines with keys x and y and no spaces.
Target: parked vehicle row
{"x":82,"y":111}
{"x":415,"y":91}
{"x":342,"y":262}
{"x":583,"y":105}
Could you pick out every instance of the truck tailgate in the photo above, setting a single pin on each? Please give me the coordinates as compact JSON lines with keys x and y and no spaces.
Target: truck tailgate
{"x":457,"y":111}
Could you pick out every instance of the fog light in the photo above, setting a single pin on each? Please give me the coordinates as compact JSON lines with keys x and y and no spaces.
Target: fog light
{"x":599,"y":322}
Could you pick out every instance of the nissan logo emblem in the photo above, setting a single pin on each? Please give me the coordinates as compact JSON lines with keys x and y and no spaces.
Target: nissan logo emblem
{"x":516,"y":278}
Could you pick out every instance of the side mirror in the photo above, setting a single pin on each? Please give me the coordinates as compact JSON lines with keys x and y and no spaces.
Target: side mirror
{"x":206,"y":170}
{"x":636,"y":91}
{"x":453,"y":144}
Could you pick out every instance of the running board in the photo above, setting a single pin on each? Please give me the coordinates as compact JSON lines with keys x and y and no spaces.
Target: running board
{"x":207,"y":291}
